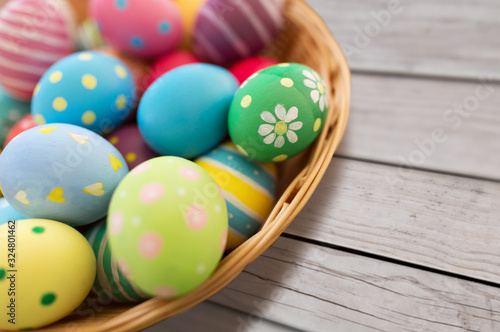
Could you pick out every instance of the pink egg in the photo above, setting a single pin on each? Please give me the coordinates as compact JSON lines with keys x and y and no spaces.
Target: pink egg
{"x":34,"y":35}
{"x":167,"y":63}
{"x":129,"y":142}
{"x":144,"y":29}
{"x":247,"y":67}
{"x":229,"y":30}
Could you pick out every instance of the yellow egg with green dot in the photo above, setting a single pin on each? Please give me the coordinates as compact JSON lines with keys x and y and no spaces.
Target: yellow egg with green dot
{"x":47,"y":269}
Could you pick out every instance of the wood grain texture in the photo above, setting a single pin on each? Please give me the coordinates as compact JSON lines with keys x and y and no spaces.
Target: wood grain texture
{"x":452,"y":38}
{"x":211,"y":317}
{"x":320,"y":289}
{"x":444,"y":222}
{"x":393,"y":119}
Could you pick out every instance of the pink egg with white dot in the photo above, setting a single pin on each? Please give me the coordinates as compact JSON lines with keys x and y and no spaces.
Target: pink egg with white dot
{"x":141,"y":28}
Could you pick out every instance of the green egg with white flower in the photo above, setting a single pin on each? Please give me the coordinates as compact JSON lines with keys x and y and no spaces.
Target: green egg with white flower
{"x":278,"y":112}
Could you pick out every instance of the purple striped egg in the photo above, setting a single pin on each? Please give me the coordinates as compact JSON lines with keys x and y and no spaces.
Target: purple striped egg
{"x":229,"y":30}
{"x":33,"y":35}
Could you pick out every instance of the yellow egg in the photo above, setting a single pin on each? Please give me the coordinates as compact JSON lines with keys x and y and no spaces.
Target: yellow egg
{"x":46,"y":270}
{"x":189,"y":11}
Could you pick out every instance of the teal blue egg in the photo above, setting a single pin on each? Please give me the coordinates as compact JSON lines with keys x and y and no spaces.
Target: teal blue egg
{"x":11,"y":111}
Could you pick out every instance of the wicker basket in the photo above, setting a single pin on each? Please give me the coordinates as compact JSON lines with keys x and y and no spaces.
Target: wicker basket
{"x":306,"y":39}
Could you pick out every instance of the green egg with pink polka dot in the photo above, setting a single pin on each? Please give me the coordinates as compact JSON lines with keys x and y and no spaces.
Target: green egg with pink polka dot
{"x":278,"y":112}
{"x":167,"y":225}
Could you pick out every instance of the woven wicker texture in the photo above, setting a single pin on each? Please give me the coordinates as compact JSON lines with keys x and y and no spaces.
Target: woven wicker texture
{"x":306,"y":39}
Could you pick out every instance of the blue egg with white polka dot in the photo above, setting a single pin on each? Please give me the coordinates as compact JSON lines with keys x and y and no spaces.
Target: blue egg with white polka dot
{"x":11,"y":111}
{"x":7,"y":212}
{"x":88,"y":89}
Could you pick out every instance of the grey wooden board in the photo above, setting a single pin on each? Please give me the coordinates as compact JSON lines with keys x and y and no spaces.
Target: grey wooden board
{"x":452,"y":38}
{"x":319,"y":289}
{"x":211,"y":317}
{"x":445,"y":222}
{"x":393,"y":119}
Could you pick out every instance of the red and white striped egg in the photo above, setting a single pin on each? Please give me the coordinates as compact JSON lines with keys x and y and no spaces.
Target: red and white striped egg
{"x":33,"y":35}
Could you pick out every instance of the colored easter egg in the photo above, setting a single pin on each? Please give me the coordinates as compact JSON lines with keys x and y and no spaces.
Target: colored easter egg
{"x":249,"y":189}
{"x":24,"y":124}
{"x":88,"y":36}
{"x":184,"y":113}
{"x":7,"y":212}
{"x":88,"y":89}
{"x":37,"y":33}
{"x":138,"y":68}
{"x":144,"y":29}
{"x":54,"y":270}
{"x":61,"y":172}
{"x":278,"y":112}
{"x":245,"y":68}
{"x":229,"y":30}
{"x":110,"y":283}
{"x":167,"y":226}
{"x":189,"y":12}
{"x":129,"y":142}
{"x":80,"y":9}
{"x":168,"y":62}
{"x":11,"y":111}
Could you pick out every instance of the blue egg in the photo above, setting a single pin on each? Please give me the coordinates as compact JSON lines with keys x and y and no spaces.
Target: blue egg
{"x":61,"y":172}
{"x":11,"y":110}
{"x":88,"y":89}
{"x":184,"y":113}
{"x":7,"y":212}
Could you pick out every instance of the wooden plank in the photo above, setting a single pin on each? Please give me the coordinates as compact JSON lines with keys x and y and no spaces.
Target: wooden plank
{"x":211,"y":317}
{"x":394,"y":120}
{"x":452,"y":38}
{"x":319,"y":289}
{"x":443,"y":222}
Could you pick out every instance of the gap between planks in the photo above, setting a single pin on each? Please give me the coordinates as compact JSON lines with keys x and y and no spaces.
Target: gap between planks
{"x":320,"y":289}
{"x":442,"y":222}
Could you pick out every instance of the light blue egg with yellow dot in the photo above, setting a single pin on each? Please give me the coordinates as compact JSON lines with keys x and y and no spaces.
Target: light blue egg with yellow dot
{"x":88,"y":89}
{"x":7,"y":212}
{"x":249,"y":189}
{"x":61,"y":172}
{"x":11,"y":110}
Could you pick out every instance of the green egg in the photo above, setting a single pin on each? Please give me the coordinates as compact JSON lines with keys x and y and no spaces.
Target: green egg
{"x":278,"y":112}
{"x":167,"y":226}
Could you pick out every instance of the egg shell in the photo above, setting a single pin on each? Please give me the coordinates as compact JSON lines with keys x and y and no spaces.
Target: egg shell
{"x":55,"y":270}
{"x":184,"y":113}
{"x":7,"y":212}
{"x":189,"y":12}
{"x":88,"y":36}
{"x":278,"y":112}
{"x":26,"y":56}
{"x":88,"y":89}
{"x":11,"y":111}
{"x":167,"y":226}
{"x":139,"y":68}
{"x":129,"y":142}
{"x":80,"y":9}
{"x":144,"y":29}
{"x":245,"y":68}
{"x":249,"y":189}
{"x":229,"y":30}
{"x":61,"y":172}
{"x":110,"y":283}
{"x":25,"y":123}
{"x":168,"y":62}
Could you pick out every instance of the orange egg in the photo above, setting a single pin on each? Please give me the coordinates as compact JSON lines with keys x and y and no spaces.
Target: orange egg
{"x":189,"y":11}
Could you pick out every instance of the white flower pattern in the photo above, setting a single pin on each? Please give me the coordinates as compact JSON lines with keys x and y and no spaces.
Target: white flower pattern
{"x":318,"y":94}
{"x":276,"y":129}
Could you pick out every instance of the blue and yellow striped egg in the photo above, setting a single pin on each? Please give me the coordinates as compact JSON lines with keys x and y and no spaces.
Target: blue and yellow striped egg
{"x":110,"y":283}
{"x":249,"y":189}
